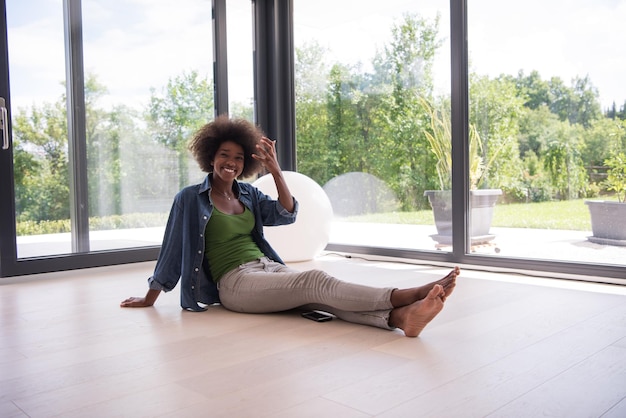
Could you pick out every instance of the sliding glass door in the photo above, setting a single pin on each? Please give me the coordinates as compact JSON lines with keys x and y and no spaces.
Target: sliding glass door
{"x":531,"y":115}
{"x":101,"y":97}
{"x":366,"y":79}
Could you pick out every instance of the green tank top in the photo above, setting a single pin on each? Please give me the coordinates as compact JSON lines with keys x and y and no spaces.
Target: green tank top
{"x":228,"y":242}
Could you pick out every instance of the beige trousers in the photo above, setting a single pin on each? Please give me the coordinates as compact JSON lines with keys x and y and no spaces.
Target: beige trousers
{"x":264,"y":286}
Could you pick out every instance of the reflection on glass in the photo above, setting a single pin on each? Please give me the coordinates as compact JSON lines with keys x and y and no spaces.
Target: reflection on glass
{"x":240,"y":74}
{"x":148,"y":87}
{"x":548,"y":103}
{"x":39,"y":121}
{"x":367,"y":79}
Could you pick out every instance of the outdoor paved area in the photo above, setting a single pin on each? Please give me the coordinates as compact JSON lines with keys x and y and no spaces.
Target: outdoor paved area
{"x":511,"y":242}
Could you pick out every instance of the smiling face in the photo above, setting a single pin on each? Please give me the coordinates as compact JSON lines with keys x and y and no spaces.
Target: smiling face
{"x":228,"y":163}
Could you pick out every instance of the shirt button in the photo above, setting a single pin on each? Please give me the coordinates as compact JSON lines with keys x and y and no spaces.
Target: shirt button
{"x":204,"y":217}
{"x":196,"y":269}
{"x":199,"y":251}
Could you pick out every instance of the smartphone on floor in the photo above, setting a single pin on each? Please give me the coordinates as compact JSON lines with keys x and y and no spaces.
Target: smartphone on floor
{"x":317,"y":316}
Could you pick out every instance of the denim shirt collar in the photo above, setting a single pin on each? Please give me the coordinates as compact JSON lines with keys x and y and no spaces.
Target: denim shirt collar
{"x":205,"y":186}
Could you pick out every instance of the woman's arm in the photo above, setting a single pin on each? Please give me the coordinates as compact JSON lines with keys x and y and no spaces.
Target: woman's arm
{"x":267,"y":155}
{"x":169,"y":261}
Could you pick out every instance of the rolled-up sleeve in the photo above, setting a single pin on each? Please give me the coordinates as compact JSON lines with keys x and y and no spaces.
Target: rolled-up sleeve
{"x":284,"y":212}
{"x":154,"y":285}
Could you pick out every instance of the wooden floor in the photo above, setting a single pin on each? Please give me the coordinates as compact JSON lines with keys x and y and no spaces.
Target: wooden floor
{"x":504,"y":346}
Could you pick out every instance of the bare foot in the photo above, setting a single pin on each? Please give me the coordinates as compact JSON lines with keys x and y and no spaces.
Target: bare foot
{"x":412,"y":319}
{"x":404,"y":297}
{"x":448,"y":283}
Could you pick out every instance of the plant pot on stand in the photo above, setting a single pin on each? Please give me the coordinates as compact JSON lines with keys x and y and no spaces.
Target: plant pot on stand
{"x":482,"y":203}
{"x":608,"y":217}
{"x":608,"y":222}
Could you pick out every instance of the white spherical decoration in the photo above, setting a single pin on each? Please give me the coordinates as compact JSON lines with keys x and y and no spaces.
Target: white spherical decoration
{"x":306,"y":238}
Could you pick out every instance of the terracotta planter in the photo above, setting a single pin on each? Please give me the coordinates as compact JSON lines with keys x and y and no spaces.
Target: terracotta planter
{"x":608,"y":222}
{"x":482,"y":203}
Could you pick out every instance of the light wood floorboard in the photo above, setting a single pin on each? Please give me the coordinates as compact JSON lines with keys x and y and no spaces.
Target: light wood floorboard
{"x":504,"y":346}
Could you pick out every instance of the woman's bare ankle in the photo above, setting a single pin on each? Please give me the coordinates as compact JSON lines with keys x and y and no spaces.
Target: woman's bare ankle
{"x":413,"y":318}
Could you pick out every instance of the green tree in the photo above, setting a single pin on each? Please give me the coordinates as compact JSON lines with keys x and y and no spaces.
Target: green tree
{"x":495,"y":111}
{"x":242,"y":110}
{"x":185,"y":104}
{"x":537,"y":186}
{"x":533,"y":89}
{"x":41,"y":161}
{"x":103,"y":153}
{"x":622,"y":112}
{"x":346,"y":143}
{"x":577,"y":104}
{"x":404,"y":69}
{"x":563,"y":161}
{"x":370,"y":122}
{"x":601,"y":138}
{"x":616,"y":178}
{"x":407,"y":62}
{"x":586,"y":106}
{"x":535,"y":126}
{"x":314,"y":156}
{"x":311,"y":73}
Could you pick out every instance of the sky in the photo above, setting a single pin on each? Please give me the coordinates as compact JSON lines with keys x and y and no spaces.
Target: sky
{"x":563,"y":38}
{"x":135,"y":45}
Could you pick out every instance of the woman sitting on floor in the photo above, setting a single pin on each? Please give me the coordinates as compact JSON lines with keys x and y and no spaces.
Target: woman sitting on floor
{"x":214,"y":243}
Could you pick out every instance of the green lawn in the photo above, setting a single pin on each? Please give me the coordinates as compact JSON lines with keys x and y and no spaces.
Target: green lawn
{"x":569,"y":215}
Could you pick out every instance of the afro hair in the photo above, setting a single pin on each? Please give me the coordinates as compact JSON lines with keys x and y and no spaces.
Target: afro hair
{"x":207,"y":140}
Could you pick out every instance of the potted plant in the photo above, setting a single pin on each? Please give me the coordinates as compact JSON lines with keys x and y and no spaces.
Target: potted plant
{"x":608,"y":217}
{"x":482,"y":201}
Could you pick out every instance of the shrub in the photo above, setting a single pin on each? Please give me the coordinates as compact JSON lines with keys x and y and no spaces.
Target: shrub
{"x":127,"y":221}
{"x":616,"y":175}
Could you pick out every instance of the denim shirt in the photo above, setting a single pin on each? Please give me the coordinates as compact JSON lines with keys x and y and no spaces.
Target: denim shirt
{"x":182,"y":252}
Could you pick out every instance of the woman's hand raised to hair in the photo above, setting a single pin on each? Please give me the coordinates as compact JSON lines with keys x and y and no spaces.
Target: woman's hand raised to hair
{"x":266,"y":154}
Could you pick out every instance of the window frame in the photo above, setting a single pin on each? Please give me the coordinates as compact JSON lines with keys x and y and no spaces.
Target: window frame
{"x":273,"y":51}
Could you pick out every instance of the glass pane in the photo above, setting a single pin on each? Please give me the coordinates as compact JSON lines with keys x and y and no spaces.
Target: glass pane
{"x":240,"y":73}
{"x":40,"y":152}
{"x":148,"y":87}
{"x":548,"y":109}
{"x":372,"y":105}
